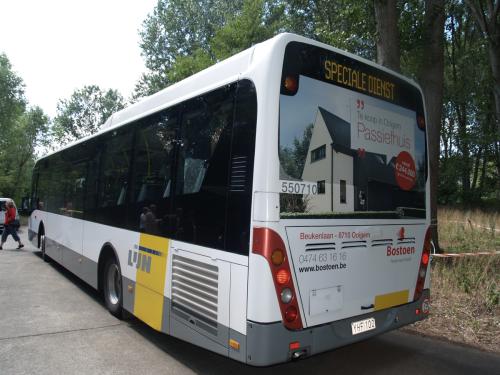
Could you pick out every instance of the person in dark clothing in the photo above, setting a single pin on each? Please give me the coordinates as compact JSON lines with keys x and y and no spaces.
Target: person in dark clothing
{"x":9,"y":227}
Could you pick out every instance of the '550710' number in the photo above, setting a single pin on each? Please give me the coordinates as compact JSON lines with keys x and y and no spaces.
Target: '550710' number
{"x":299,"y":187}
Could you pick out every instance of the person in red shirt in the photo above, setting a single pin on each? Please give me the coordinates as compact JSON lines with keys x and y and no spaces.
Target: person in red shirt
{"x":9,"y":228}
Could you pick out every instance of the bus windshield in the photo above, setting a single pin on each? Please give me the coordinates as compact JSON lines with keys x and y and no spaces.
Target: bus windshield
{"x":352,"y":139}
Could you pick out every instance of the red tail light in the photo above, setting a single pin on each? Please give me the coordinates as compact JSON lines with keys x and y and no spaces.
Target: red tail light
{"x":425,"y":259}
{"x":282,"y":276}
{"x":294,"y":345}
{"x":269,"y":244}
{"x":291,"y":84}
{"x":421,"y":122}
{"x":424,"y":262}
{"x":291,"y":314}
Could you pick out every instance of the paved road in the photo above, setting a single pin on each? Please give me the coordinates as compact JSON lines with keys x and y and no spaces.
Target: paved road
{"x":52,"y":323}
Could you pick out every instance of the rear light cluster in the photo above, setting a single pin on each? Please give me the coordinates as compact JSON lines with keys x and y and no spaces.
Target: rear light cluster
{"x":291,"y":84}
{"x":424,"y":263}
{"x":269,"y":244}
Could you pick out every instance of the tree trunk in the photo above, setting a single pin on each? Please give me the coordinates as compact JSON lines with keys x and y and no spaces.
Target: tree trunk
{"x":483,"y":174}
{"x":386,"y":19}
{"x":488,"y":20}
{"x":476,"y":171}
{"x":464,"y":148}
{"x":431,"y":78}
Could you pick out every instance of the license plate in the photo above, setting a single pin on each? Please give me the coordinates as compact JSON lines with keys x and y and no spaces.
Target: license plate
{"x":363,"y":326}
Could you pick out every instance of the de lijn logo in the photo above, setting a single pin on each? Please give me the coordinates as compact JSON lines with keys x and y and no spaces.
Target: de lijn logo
{"x":140,"y":259}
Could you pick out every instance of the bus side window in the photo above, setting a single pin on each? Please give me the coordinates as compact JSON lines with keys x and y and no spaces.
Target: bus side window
{"x":202,"y":168}
{"x":150,"y":210}
{"x":76,"y":190}
{"x":113,"y":178}
{"x":242,"y":159}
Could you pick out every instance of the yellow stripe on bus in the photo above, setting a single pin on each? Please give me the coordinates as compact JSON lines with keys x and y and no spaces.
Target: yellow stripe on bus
{"x":150,"y":280}
{"x":385,"y":301}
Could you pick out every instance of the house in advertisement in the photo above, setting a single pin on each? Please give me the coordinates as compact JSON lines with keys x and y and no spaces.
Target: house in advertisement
{"x":348,"y":179}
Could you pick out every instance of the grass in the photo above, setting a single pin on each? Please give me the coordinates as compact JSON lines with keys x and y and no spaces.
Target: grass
{"x":468,"y":231}
{"x":465,"y":292}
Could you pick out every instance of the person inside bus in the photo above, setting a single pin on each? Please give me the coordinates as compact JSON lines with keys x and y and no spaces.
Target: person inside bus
{"x":151,"y":223}
{"x":142,"y":219}
{"x":10,"y":227}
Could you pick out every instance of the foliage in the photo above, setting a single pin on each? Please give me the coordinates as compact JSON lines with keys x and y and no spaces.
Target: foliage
{"x":179,"y":29}
{"x":345,"y":24}
{"x":468,"y":134}
{"x":84,"y":112}
{"x":12,"y":104}
{"x":465,"y":291}
{"x":12,"y":101}
{"x":469,"y":230}
{"x":293,"y":160}
{"x":23,"y":132}
{"x":182,"y":37}
{"x":465,"y":301}
{"x":258,"y":20}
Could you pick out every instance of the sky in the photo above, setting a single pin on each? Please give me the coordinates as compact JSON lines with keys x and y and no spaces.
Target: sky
{"x":59,"y":46}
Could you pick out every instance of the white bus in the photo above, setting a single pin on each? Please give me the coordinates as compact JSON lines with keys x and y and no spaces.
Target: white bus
{"x":268,"y":208}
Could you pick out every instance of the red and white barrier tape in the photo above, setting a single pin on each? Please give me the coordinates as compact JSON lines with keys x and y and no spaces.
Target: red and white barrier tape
{"x":460,"y":255}
{"x":471,"y":224}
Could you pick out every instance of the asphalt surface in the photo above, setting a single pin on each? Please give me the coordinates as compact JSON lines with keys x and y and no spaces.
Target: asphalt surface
{"x":53,"y":323}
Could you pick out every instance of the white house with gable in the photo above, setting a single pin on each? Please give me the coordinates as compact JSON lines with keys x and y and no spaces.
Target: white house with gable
{"x":330,"y":163}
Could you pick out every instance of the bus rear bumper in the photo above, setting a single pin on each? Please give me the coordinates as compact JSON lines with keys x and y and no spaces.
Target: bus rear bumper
{"x":269,"y":344}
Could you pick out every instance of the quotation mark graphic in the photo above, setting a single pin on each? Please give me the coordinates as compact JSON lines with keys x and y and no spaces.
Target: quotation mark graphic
{"x":360,"y":104}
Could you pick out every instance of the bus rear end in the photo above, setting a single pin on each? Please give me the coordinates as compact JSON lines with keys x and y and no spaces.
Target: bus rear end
{"x":348,"y":257}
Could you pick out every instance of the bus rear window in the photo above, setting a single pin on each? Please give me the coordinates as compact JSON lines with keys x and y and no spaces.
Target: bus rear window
{"x":352,"y":139}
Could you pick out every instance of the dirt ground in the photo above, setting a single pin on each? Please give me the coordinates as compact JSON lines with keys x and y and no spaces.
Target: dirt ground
{"x":470,"y":316}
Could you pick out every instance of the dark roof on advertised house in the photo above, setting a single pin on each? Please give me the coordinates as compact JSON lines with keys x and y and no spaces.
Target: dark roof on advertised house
{"x":340,"y":131}
{"x":371,"y":166}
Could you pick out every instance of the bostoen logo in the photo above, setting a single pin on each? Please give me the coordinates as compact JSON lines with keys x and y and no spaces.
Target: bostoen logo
{"x":400,"y":250}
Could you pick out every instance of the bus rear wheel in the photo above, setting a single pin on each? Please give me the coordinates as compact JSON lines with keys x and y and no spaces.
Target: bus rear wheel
{"x":45,"y":257}
{"x":112,"y":287}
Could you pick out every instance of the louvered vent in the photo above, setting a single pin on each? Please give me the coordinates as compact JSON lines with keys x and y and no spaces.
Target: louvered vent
{"x":194,"y":292}
{"x":320,"y":246}
{"x":382,"y":242}
{"x":406,"y":241}
{"x":352,"y":244}
{"x":239,"y":166}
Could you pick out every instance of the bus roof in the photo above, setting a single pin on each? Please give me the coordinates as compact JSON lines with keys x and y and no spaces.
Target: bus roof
{"x":223,"y":72}
{"x":210,"y":78}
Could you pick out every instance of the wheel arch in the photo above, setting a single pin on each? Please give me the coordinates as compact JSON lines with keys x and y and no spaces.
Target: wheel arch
{"x":41,"y":232}
{"x":107,"y":251}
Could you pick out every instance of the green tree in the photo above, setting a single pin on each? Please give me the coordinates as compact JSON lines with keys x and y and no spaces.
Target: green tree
{"x":388,"y":46}
{"x":222,"y":29}
{"x":487,"y":15}
{"x":258,"y":20}
{"x":469,"y":135}
{"x":292,"y":159}
{"x":12,"y":107}
{"x":84,"y":112}
{"x":23,"y":133}
{"x":30,"y":137}
{"x":345,"y":24}
{"x":429,"y":71}
{"x":182,"y":38}
{"x":12,"y":100}
{"x":179,"y":28}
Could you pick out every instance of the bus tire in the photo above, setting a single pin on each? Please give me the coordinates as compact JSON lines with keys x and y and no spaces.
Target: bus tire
{"x":112,"y":287}
{"x":45,"y":257}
